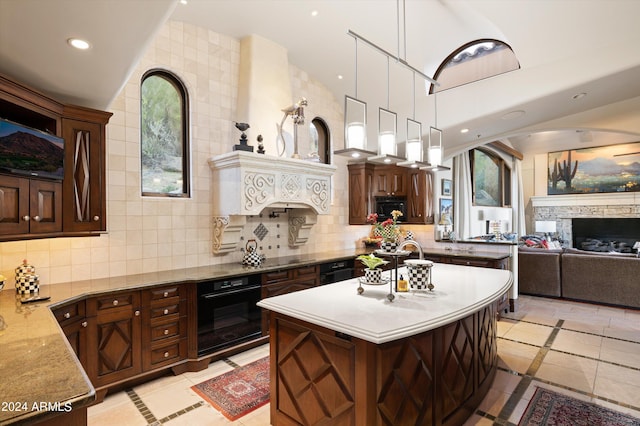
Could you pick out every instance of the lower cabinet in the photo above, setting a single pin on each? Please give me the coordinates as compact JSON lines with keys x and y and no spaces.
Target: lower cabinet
{"x":286,"y":281}
{"x":120,"y":335}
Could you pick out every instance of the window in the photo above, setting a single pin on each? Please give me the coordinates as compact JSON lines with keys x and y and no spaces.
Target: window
{"x":490,"y":179}
{"x":163,"y":135}
{"x":475,"y":61}
{"x":319,"y":133}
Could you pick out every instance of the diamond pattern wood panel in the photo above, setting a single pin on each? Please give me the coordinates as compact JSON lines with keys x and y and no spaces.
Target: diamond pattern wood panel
{"x":457,"y":364}
{"x":487,"y":346}
{"x":316,"y":377}
{"x":406,"y":375}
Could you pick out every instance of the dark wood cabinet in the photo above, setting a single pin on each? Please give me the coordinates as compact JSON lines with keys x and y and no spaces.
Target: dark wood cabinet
{"x":360,"y":192}
{"x":114,"y":344}
{"x":34,"y":208}
{"x":389,"y":181}
{"x":164,"y":326}
{"x":74,"y":323}
{"x":285,"y":281}
{"x":29,"y":206}
{"x":419,"y":197}
{"x":83,"y":130}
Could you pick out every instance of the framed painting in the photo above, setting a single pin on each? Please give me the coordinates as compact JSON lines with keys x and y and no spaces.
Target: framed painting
{"x":612,"y":168}
{"x":446,"y":207}
{"x":446,"y":187}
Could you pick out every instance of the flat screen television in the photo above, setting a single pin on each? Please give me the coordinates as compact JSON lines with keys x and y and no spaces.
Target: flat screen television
{"x":30,"y":152}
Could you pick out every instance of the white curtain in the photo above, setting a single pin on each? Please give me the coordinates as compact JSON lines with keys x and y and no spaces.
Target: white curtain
{"x":519,"y":217}
{"x":462,"y":196}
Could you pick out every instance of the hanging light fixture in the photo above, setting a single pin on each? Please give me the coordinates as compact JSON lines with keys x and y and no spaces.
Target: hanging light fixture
{"x":435,"y":142}
{"x":387,"y":133}
{"x":355,"y":122}
{"x":414,"y":150}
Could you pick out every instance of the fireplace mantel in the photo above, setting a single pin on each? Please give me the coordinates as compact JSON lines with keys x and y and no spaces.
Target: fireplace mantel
{"x":613,"y":198}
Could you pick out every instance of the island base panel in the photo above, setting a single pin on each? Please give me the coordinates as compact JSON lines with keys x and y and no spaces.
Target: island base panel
{"x":438,"y":377}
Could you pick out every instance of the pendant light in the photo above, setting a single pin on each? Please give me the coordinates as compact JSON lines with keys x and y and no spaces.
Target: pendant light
{"x":435,"y":141}
{"x":414,"y":149}
{"x":355,"y":122}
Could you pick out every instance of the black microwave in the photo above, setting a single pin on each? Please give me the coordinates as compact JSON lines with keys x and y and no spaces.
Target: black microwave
{"x":385,"y":205}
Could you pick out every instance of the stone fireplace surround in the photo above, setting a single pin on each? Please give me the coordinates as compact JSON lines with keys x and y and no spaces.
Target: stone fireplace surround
{"x":563,"y":208}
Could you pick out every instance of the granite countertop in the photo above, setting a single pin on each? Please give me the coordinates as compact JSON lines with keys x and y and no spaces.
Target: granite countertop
{"x":459,"y":291}
{"x":466,"y":253}
{"x":38,"y":366}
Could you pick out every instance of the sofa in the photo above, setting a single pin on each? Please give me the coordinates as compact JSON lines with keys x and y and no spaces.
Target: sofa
{"x":605,"y":278}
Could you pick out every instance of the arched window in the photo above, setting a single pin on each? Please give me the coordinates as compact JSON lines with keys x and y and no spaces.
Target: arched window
{"x":164,"y":138}
{"x":475,"y":61}
{"x":319,"y":133}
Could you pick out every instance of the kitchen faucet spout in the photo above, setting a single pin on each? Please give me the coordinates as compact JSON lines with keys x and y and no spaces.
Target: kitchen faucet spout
{"x":414,"y":243}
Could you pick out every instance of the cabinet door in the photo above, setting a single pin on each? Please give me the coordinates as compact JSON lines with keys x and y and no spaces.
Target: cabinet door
{"x":114,"y":343}
{"x":45,"y":206}
{"x":14,"y":205}
{"x":397,"y":181}
{"x":76,"y":333}
{"x":84,"y":180}
{"x":360,"y":195}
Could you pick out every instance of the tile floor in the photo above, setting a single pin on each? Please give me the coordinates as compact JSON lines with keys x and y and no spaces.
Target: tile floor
{"x":587,"y":351}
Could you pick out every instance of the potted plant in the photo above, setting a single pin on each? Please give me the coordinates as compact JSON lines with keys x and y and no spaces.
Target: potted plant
{"x":389,"y":230}
{"x":372,"y":274}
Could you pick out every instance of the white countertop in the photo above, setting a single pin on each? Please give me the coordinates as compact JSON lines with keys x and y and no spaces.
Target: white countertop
{"x":459,"y":291}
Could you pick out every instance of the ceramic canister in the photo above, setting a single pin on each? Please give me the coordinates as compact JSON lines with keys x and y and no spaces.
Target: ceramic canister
{"x":418,"y":271}
{"x":26,"y":279}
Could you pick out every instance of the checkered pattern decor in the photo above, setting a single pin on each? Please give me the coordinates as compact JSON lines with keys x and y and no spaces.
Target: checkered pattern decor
{"x":26,"y":279}
{"x":418,"y":277}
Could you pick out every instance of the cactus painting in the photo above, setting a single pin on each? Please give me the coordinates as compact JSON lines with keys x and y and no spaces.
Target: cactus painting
{"x":613,"y":168}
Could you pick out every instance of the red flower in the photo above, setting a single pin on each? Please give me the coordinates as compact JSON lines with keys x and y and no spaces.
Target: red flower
{"x":372,"y":217}
{"x":387,"y":222}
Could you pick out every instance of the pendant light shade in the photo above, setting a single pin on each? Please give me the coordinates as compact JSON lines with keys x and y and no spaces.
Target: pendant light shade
{"x":356,"y":135}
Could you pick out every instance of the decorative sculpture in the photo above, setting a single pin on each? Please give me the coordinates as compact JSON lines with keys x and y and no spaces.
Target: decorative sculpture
{"x":243,"y":145}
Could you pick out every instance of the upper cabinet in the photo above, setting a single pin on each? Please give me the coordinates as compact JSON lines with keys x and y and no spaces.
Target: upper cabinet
{"x":368,"y":181}
{"x":37,"y":206}
{"x":84,"y":176}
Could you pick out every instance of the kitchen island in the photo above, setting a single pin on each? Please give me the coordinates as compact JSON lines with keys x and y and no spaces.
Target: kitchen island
{"x":359,"y":359}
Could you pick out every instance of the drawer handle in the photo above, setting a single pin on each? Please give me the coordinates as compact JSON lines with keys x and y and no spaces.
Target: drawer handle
{"x":96,"y":218}
{"x":26,"y":218}
{"x":37,"y":218}
{"x":67,"y":315}
{"x":115,"y":302}
{"x":166,"y":354}
{"x":166,"y":332}
{"x":84,"y":324}
{"x":137,"y":313}
{"x":166,"y":311}
{"x":166,"y":294}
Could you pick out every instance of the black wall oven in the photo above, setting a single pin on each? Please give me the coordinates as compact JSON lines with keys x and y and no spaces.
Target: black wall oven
{"x":385,"y":205}
{"x":227,"y":313}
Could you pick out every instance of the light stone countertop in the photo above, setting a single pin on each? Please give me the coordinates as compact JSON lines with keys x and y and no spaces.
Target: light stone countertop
{"x":459,"y":291}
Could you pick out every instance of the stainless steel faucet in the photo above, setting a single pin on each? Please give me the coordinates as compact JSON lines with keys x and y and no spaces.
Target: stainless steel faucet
{"x":412,"y":242}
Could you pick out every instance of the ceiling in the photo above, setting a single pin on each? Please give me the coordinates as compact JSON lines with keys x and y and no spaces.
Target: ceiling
{"x":564,"y":47}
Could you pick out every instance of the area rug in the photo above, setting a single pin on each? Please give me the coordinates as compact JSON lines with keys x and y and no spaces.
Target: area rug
{"x":239,"y":391}
{"x":551,"y":408}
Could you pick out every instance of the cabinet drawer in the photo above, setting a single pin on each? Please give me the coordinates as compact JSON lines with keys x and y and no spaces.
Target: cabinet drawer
{"x":164,"y":293}
{"x":168,"y":330}
{"x":165,"y":311}
{"x":307,"y":272}
{"x":167,"y":354}
{"x":472,"y":262}
{"x":276,"y":276}
{"x":113,"y":301}
{"x":70,"y":313}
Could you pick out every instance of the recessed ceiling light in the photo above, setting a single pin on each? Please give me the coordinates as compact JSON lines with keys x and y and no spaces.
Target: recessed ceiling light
{"x":340,"y":77}
{"x":183,"y":1}
{"x":464,"y":130}
{"x":79,"y":43}
{"x":579,"y":95}
{"x":314,"y":13}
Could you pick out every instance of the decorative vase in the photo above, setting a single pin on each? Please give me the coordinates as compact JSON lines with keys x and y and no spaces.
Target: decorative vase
{"x":389,"y":246}
{"x":373,"y":276}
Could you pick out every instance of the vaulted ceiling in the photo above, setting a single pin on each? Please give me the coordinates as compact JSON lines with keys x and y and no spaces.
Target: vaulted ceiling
{"x":565,"y":47}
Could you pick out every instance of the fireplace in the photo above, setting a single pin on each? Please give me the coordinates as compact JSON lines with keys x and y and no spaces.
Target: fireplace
{"x":606,"y":234}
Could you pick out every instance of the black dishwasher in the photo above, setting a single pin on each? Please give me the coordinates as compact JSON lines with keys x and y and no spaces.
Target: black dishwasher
{"x":227,"y":312}
{"x":339,"y":270}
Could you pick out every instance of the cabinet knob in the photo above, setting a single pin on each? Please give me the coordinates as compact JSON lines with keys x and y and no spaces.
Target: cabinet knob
{"x":67,"y":315}
{"x":115,"y":302}
{"x":166,"y":294}
{"x":84,"y":324}
{"x":166,"y":332}
{"x":166,"y":311}
{"x":37,"y":218}
{"x":26,"y":218}
{"x":166,"y":354}
{"x":96,"y":218}
{"x":137,"y":313}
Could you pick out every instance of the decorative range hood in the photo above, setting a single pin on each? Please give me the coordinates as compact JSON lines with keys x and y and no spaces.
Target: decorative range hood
{"x":245,"y":183}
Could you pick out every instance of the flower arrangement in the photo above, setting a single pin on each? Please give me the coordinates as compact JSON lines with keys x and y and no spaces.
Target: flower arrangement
{"x":389,"y":229}
{"x":371,"y":261}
